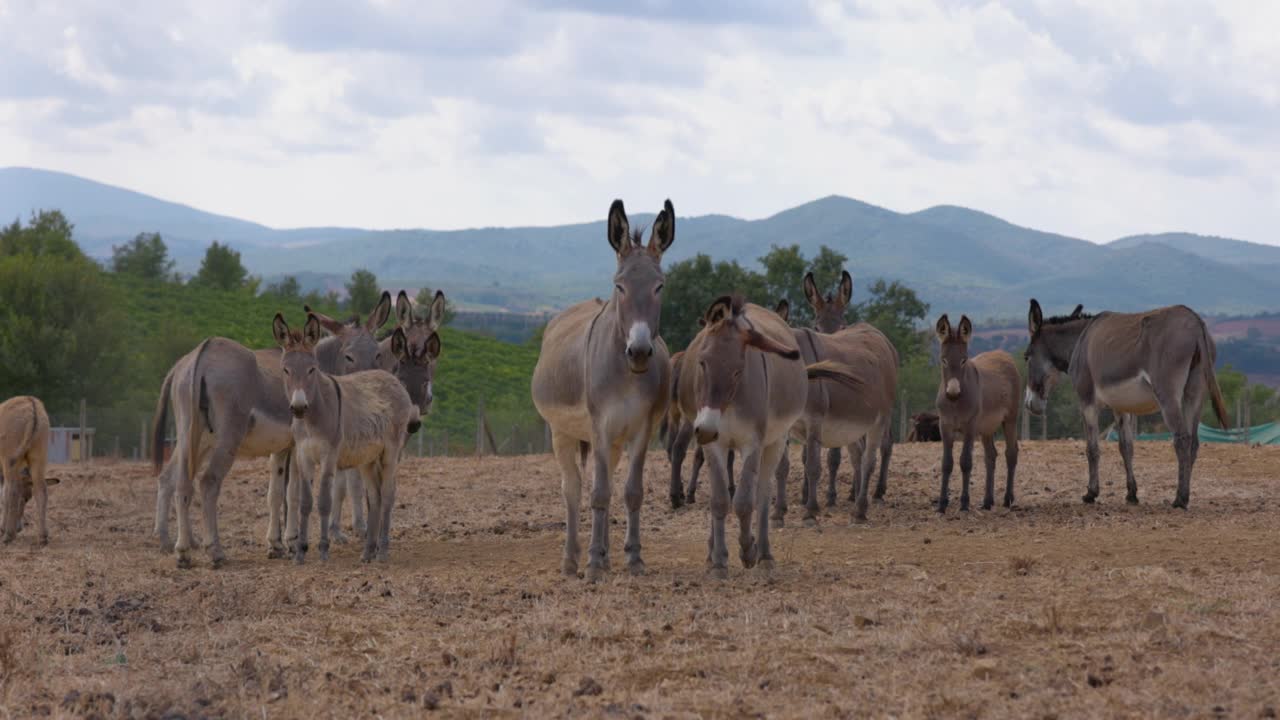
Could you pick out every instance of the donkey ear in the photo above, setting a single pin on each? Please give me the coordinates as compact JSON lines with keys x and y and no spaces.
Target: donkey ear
{"x":1077,"y":312}
{"x":435,"y":317}
{"x":432,"y":347}
{"x":331,"y":326}
{"x":764,"y":344}
{"x":811,"y":292}
{"x":846,"y":287}
{"x":380,"y":313}
{"x":400,"y":345}
{"x":1035,"y":318}
{"x":943,"y":328}
{"x":720,"y":310}
{"x":280,"y":330}
{"x":664,"y":230}
{"x":311,"y":330}
{"x":784,"y":310}
{"x":404,"y":309}
{"x":619,"y":229}
{"x":966,"y":329}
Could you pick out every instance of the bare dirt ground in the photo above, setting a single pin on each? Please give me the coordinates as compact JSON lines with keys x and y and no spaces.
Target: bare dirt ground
{"x":1053,"y":609}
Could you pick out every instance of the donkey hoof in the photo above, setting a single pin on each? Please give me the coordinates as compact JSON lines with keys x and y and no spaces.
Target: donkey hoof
{"x":1089,"y":498}
{"x":988,"y":504}
{"x":1181,"y":503}
{"x":569,"y":567}
{"x":1131,"y":499}
{"x":366,"y":557}
{"x":859,"y":518}
{"x":749,"y":555}
{"x":677,"y":500}
{"x":1008,"y":501}
{"x":184,"y":561}
{"x":44,"y":539}
{"x":831,"y":499}
{"x":718,"y":572}
{"x":690,"y":498}
{"x":964,"y":505}
{"x":778,"y":520}
{"x":942,"y":508}
{"x":336,"y":536}
{"x":595,"y":573}
{"x":636,"y":567}
{"x":275,"y":553}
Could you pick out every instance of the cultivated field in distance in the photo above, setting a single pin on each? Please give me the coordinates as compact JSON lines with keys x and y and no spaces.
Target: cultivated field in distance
{"x":1055,"y":608}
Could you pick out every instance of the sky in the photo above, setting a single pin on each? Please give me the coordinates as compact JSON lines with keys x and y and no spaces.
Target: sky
{"x":1093,"y":119}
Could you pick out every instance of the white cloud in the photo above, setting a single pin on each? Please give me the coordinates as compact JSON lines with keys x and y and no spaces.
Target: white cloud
{"x":1090,"y":118}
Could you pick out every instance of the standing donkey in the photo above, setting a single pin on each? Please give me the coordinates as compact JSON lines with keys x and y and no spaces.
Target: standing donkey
{"x":837,"y":414}
{"x":24,"y":443}
{"x":1136,"y":364}
{"x":679,"y":431}
{"x":976,"y":397}
{"x":361,"y":420}
{"x":603,"y":377}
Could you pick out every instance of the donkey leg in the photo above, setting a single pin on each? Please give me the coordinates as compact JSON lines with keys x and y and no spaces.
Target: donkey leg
{"x":373,"y":501}
{"x":165,"y":485}
{"x":12,"y":498}
{"x":966,"y":468}
{"x":606,"y":458}
{"x":302,"y":481}
{"x":37,"y":468}
{"x":276,"y":488}
{"x":324,"y":505}
{"x":1092,"y":451}
{"x":744,"y":504}
{"x":1010,"y":458}
{"x":390,"y":463}
{"x":886,"y":452}
{"x":718,"y":551}
{"x":355,"y":489}
{"x":1128,"y":426}
{"x":862,"y":475}
{"x":566,"y":450}
{"x":768,"y":465}
{"x":780,"y":473}
{"x":677,"y":449}
{"x":856,"y":452}
{"x":633,"y":494}
{"x":729,"y":473}
{"x":812,"y":472}
{"x":1193,"y":395}
{"x":948,"y":462}
{"x":220,"y":462}
{"x":699,"y":458}
{"x":833,"y":468}
{"x":989,"y":461}
{"x":339,"y":498}
{"x":184,"y":491}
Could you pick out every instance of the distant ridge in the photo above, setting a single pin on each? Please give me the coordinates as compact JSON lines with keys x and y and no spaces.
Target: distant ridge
{"x":958,"y":259}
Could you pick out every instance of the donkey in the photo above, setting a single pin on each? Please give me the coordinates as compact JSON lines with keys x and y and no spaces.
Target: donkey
{"x":679,"y":432}
{"x":233,"y":393}
{"x":1136,"y":364}
{"x":361,"y":420}
{"x":976,"y":399}
{"x":28,"y":488}
{"x":24,"y":443}
{"x":745,"y":388}
{"x":603,"y":377}
{"x":416,"y":331}
{"x":835,"y":415}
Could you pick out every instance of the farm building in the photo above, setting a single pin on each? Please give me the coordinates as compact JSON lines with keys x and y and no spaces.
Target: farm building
{"x":65,"y":445}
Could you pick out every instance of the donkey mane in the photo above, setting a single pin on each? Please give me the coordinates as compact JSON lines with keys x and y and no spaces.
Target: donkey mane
{"x":637,"y":236}
{"x":1063,"y":319}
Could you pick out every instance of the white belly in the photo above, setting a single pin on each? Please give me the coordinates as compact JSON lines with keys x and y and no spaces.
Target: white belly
{"x":1130,"y":396}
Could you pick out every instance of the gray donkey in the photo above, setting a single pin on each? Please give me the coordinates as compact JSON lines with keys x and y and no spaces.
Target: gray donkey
{"x":603,"y":378}
{"x":1136,"y":364}
{"x":361,"y":420}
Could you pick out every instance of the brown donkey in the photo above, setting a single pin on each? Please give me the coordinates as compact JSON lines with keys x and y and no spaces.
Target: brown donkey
{"x":976,"y":397}
{"x":1136,"y":364}
{"x":603,"y":377}
{"x":24,"y":443}
{"x":679,"y":432}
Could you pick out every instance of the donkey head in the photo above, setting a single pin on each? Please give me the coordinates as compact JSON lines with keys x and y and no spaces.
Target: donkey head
{"x":722,"y":359}
{"x":415,"y":369}
{"x":16,"y":496}
{"x":417,"y":326}
{"x":1049,"y":351}
{"x":299,"y":364}
{"x":637,"y":286}
{"x":828,"y":312}
{"x":784,"y":310}
{"x":357,"y":349}
{"x":953,"y":354}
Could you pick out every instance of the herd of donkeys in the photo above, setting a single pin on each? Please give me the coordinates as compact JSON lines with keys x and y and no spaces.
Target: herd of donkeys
{"x":333,"y":405}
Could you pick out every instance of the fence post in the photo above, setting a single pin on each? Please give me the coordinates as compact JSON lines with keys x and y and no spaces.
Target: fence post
{"x":1247,"y":419}
{"x":902,"y":418}
{"x":1044,"y":425}
{"x":546,"y":436}
{"x":142,"y":441}
{"x":1026,"y":424}
{"x":84,"y":434}
{"x":445,"y":437}
{"x":480,"y":428}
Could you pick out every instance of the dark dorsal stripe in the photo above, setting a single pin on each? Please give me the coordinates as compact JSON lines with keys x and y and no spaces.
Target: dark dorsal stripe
{"x":338,"y":389}
{"x":764,"y":365}
{"x":813,"y":348}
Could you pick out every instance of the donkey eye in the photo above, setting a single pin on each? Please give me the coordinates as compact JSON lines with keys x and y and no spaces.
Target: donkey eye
{"x":658,"y":289}
{"x":962,"y":362}
{"x":286,"y":370}
{"x":944,"y":362}
{"x":620,"y":289}
{"x":350,"y":359}
{"x":311,"y":371}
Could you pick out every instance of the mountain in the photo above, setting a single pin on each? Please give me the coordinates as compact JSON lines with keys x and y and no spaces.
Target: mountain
{"x":959,"y":260}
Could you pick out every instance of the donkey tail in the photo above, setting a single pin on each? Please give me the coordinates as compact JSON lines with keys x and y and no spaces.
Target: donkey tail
{"x":32,"y":429}
{"x":839,"y":372}
{"x":1206,"y":351}
{"x":160,"y":421}
{"x":193,"y":429}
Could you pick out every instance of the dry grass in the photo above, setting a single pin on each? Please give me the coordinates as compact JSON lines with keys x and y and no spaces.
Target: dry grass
{"x":1055,"y":608}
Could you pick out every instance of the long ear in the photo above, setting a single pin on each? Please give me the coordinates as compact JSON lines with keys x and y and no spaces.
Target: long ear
{"x":784,"y":310}
{"x":280,"y":330}
{"x":846,"y":287}
{"x":719,"y":310}
{"x":432,"y":347}
{"x":619,"y":229}
{"x":943,"y":328}
{"x":380,"y":313}
{"x":966,"y":329}
{"x":331,"y":326}
{"x":435,"y":317}
{"x":764,"y":344}
{"x":404,"y":309}
{"x":664,"y":230}
{"x":811,"y":292}
{"x":400,"y":345}
{"x":1035,"y":318}
{"x":1077,"y":312}
{"x":311,"y":330}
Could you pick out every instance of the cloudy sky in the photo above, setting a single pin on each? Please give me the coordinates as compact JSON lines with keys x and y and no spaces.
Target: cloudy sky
{"x":1096,"y":119}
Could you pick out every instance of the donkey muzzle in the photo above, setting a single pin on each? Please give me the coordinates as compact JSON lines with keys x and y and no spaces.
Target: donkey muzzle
{"x":414,"y":425}
{"x":953,"y":389}
{"x":1033,"y":402}
{"x":707,"y":425}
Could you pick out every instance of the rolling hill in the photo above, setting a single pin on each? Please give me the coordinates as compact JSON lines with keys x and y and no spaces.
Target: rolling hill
{"x":959,"y":260}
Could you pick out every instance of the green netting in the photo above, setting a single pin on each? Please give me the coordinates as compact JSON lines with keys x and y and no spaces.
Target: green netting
{"x":1268,"y":434}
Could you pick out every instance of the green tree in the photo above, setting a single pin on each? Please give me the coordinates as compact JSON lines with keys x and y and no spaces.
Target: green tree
{"x":146,"y":257}
{"x":691,"y":286}
{"x":826,"y":268}
{"x":422,"y":304}
{"x":287,"y":290}
{"x":221,"y":269}
{"x":362,"y":291}
{"x":896,"y":311}
{"x":47,"y":234}
{"x":784,"y":269}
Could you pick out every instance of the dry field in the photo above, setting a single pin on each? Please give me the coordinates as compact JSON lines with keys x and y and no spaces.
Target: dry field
{"x":1054,"y":609}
